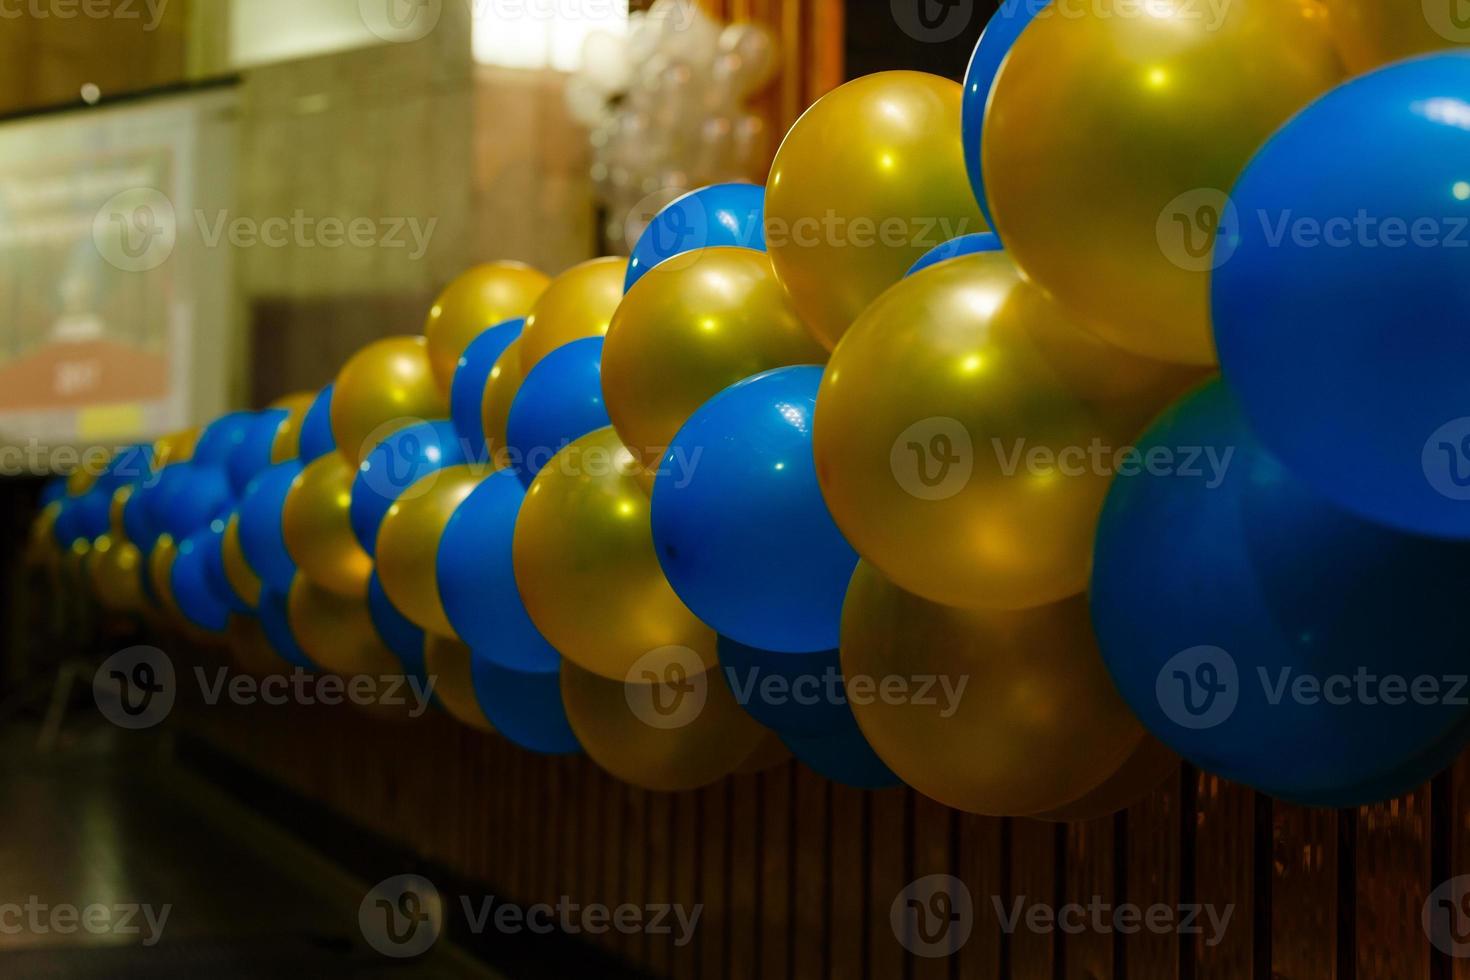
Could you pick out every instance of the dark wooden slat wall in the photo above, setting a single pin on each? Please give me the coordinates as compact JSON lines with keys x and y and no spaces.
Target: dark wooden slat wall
{"x":796,"y":877}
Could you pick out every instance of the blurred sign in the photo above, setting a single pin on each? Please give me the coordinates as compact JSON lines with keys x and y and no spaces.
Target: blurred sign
{"x":113,"y":313}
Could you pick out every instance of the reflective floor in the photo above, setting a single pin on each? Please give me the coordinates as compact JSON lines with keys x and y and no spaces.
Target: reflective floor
{"x":115,"y":865}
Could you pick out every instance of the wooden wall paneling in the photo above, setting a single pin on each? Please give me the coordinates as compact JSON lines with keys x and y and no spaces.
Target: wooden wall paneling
{"x":930,"y":840}
{"x":617,"y":852}
{"x":1304,"y":890}
{"x":1224,"y":878}
{"x":715,"y":871}
{"x":777,"y":866}
{"x":685,"y":881}
{"x":889,"y":873}
{"x":745,"y":872}
{"x":981,"y":862}
{"x":1152,"y":862}
{"x":1034,"y":861}
{"x":636,"y":806}
{"x":1393,"y":868}
{"x":848,"y":938}
{"x":814,"y":848}
{"x":1090,"y":876}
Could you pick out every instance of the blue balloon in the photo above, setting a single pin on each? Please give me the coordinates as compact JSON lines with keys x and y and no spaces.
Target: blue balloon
{"x":394,"y":465}
{"x":558,"y":402}
{"x":53,"y":490}
{"x":984,"y":241}
{"x":1341,"y":294}
{"x":262,"y":540}
{"x":844,"y":756}
{"x":398,"y":634}
{"x":790,"y":693}
{"x":467,"y":392}
{"x":220,"y":438}
{"x":253,"y":453}
{"x":91,"y":516}
{"x":189,"y":496}
{"x":275,"y":620}
{"x":137,"y":522}
{"x":1238,"y":611}
{"x":1000,"y":35}
{"x":719,"y":215}
{"x":477,"y":581}
{"x":212,"y":544}
{"x":316,"y":428}
{"x":65,"y":530}
{"x":189,"y":578}
{"x":739,"y":522}
{"x":526,"y":708}
{"x":132,"y":465}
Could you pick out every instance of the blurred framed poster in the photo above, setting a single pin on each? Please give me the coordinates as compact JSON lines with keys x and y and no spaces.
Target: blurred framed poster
{"x":115,"y":311}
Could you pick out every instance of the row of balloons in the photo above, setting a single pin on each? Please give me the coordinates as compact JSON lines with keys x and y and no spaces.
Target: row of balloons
{"x":803,"y":434}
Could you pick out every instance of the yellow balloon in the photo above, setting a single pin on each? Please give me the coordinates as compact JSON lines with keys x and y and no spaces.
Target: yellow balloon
{"x":500,"y":393}
{"x":1112,"y":140}
{"x":318,"y":531}
{"x":337,"y":633}
{"x":252,"y":651}
{"x":85,"y":476}
{"x":1370,"y":33}
{"x":241,"y":576}
{"x":160,"y":574}
{"x":1026,"y":718}
{"x":447,"y":663}
{"x":587,"y":571}
{"x":386,"y":386}
{"x":120,"y":498}
{"x":287,"y":444}
{"x":579,"y":303}
{"x":408,"y":543}
{"x":687,"y":331}
{"x":1144,"y":771}
{"x":41,"y":549}
{"x":677,"y":735}
{"x":768,"y":754}
{"x":868,"y":180}
{"x":116,"y":568}
{"x":955,"y":433}
{"x":176,"y":447}
{"x":479,"y":299}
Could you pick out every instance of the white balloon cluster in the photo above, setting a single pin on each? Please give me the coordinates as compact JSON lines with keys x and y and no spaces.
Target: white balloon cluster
{"x":666,"y":105}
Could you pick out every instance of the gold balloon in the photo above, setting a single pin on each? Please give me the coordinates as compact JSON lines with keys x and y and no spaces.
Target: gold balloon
{"x":686,"y":332}
{"x":955,"y":429}
{"x":1370,"y":33}
{"x":82,"y":479}
{"x":667,"y":737}
{"x":1023,"y":716}
{"x":1111,"y":141}
{"x":408,"y":543}
{"x":318,"y":531}
{"x":116,"y":568}
{"x":176,"y":447}
{"x":41,"y":549}
{"x":337,"y":633}
{"x":251,"y":649}
{"x":241,"y":576}
{"x":120,"y":498}
{"x":587,"y":571}
{"x":579,"y":303}
{"x":447,"y":662}
{"x":479,"y":299}
{"x":386,"y":386}
{"x":868,"y":180}
{"x":1144,"y":771}
{"x":287,"y":444}
{"x":160,"y":574}
{"x":770,"y":753}
{"x":500,"y":393}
